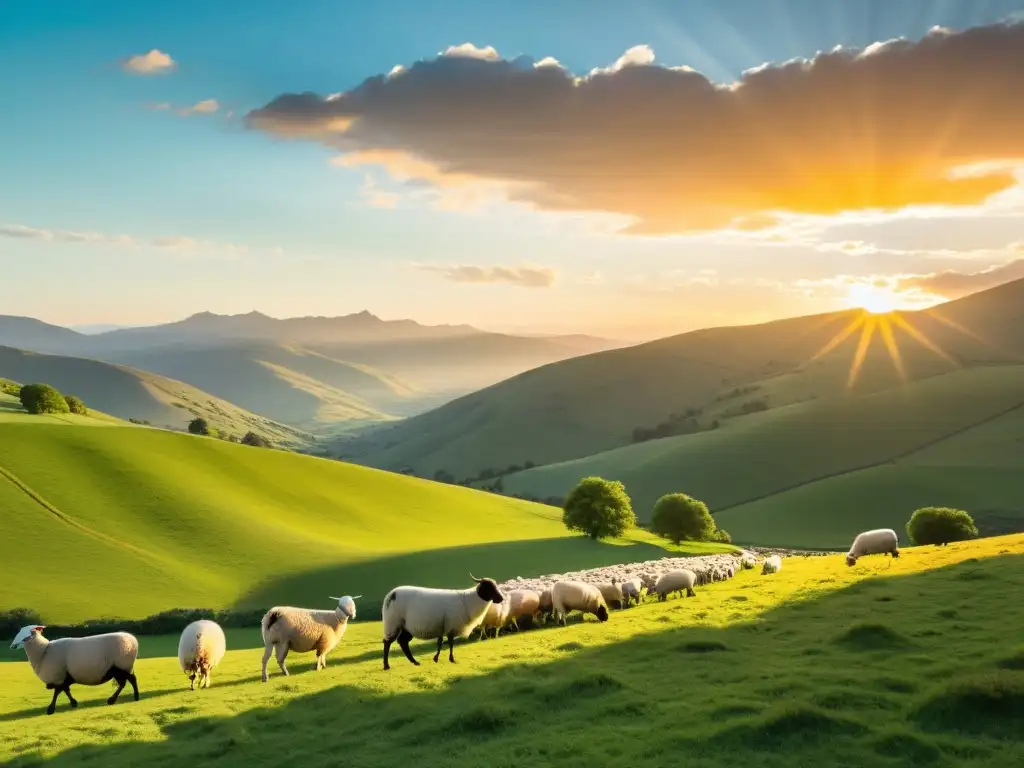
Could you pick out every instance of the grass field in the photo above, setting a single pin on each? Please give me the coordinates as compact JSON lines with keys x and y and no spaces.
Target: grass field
{"x":128,"y":521}
{"x":816,"y":473}
{"x":889,"y":663}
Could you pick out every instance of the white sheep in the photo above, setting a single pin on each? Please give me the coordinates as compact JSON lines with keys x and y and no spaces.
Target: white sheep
{"x":631,"y":589}
{"x":495,"y":618}
{"x":612,"y":594}
{"x":427,"y":613}
{"x":877,"y":542}
{"x":523,"y":604}
{"x":200,"y":649}
{"x":80,"y":661}
{"x":569,"y":596}
{"x":747,"y":562}
{"x":303,"y":630}
{"x":772,"y":564}
{"x":680,"y":580}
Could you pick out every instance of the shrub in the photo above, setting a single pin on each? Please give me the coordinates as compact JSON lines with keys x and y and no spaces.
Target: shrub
{"x":10,"y":387}
{"x":199,"y":426}
{"x":42,"y":398}
{"x":678,"y":517}
{"x":75,"y":405}
{"x":599,"y":508}
{"x":723,"y":536}
{"x":940,"y":525}
{"x":257,"y":441}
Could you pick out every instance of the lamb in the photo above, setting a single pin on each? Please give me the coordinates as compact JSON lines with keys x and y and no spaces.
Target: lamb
{"x":876,"y":542}
{"x":80,"y":660}
{"x":303,"y":630}
{"x":631,"y":590}
{"x":676,"y":581}
{"x":772,"y":564}
{"x":200,"y":649}
{"x":427,"y":613}
{"x":495,"y":618}
{"x":569,"y":596}
{"x":612,"y":594}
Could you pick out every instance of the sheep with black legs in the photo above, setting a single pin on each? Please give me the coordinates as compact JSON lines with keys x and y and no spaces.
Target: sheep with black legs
{"x":681,"y":581}
{"x":569,"y":596}
{"x":881,"y":541}
{"x":631,"y":590}
{"x":772,"y":564}
{"x":303,"y":630}
{"x":80,"y":661}
{"x":427,"y":613}
{"x":200,"y":649}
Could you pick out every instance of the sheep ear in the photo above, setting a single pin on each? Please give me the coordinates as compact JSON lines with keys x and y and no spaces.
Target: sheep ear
{"x":38,"y":629}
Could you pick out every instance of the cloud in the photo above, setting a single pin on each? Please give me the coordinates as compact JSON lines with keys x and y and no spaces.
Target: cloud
{"x":204,"y":107}
{"x":952,"y":284}
{"x":880,"y":128}
{"x":21,"y":232}
{"x":155,"y":62}
{"x":525,"y":276}
{"x":180,"y":245}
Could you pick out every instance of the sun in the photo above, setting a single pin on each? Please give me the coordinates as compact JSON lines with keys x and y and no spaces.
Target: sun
{"x":874,"y":299}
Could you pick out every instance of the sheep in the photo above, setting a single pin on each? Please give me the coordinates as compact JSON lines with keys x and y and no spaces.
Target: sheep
{"x":747,"y":562}
{"x":730,"y":572}
{"x":676,"y":581}
{"x":650,"y":579}
{"x":495,"y":618}
{"x":89,"y":660}
{"x":523,"y":604}
{"x":569,"y":596}
{"x":547,"y":608}
{"x":427,"y":613}
{"x":772,"y":564}
{"x":612,"y":594}
{"x":631,"y":590}
{"x":200,"y":649}
{"x":302,"y":630}
{"x":876,"y":542}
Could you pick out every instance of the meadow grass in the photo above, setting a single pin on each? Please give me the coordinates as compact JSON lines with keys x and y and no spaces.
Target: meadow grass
{"x":177,"y":521}
{"x":888,"y":663}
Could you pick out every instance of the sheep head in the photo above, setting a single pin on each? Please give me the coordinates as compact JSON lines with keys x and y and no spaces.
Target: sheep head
{"x":487,"y":589}
{"x":25,"y":634}
{"x":347,"y":605}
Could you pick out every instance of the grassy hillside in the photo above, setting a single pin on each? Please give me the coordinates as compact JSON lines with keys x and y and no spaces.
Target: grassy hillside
{"x":184,"y":521}
{"x":969,"y":420}
{"x":134,"y":394}
{"x":594,"y":403}
{"x":890,"y":663}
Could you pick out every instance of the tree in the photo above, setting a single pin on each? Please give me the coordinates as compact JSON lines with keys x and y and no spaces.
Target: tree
{"x":75,"y":405}
{"x":599,"y":508}
{"x":940,"y":525}
{"x":42,"y":398}
{"x":199,"y":426}
{"x":257,"y":441}
{"x":679,"y":517}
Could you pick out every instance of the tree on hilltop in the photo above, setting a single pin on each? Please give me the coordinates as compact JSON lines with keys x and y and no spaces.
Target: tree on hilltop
{"x":599,"y":508}
{"x":199,"y":426}
{"x":255,"y":440}
{"x":678,"y":517}
{"x":42,"y":398}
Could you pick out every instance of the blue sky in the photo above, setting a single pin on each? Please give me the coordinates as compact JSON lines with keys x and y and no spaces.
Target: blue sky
{"x":220,"y":216}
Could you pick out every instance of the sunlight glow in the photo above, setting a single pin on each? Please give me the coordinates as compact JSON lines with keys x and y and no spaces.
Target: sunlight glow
{"x":875,"y":299}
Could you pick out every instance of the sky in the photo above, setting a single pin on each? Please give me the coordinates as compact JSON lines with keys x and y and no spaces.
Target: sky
{"x":630,"y":169}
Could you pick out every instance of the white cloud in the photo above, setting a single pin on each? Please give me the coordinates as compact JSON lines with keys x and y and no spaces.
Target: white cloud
{"x":527,"y":276}
{"x":156,"y":62}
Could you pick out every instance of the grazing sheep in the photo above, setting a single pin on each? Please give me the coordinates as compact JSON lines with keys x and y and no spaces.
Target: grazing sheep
{"x":650,"y":579}
{"x":547,"y":607}
{"x":427,"y":613}
{"x":495,"y":618}
{"x":612,"y":594}
{"x":730,"y":572}
{"x":676,"y":581}
{"x":303,"y":630}
{"x":522,"y":604}
{"x":877,"y":542}
{"x":200,"y":649}
{"x":631,"y":591}
{"x":569,"y":596}
{"x":747,"y":562}
{"x":80,"y":660}
{"x":772,"y":564}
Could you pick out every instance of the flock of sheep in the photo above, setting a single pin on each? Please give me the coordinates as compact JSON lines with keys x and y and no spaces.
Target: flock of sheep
{"x":408,"y":612}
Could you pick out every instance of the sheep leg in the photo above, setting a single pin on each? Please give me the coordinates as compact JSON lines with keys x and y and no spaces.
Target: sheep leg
{"x":130,"y":677}
{"x":67,"y":692}
{"x":121,"y":679}
{"x":451,"y":647}
{"x":192,"y":683}
{"x":690,"y":592}
{"x":266,"y":657}
{"x":440,"y":642}
{"x":53,"y":702}
{"x":387,"y":650}
{"x":282,"y":654}
{"x":403,"y":642}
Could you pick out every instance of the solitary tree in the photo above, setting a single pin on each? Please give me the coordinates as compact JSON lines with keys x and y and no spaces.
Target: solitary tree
{"x":199,"y":426}
{"x":42,"y":398}
{"x":940,"y":525}
{"x":679,"y":517}
{"x":255,"y":440}
{"x":75,"y":405}
{"x":599,"y":508}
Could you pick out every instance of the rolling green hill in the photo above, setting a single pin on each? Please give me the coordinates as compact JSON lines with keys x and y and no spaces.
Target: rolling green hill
{"x":133,"y":394}
{"x":594,"y":403}
{"x":128,"y":521}
{"x":815,"y":473}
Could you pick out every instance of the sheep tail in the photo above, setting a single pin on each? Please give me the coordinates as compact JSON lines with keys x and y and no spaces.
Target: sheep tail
{"x":268,"y":621}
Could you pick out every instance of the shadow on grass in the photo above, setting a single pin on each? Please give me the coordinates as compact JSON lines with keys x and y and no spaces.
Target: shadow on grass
{"x":835,"y":675}
{"x":445,"y":568}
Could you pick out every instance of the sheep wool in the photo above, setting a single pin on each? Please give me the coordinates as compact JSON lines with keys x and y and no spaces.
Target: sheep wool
{"x":523,"y":604}
{"x":680,"y":580}
{"x":747,"y":562}
{"x":303,"y":630}
{"x":80,"y":660}
{"x":631,"y":591}
{"x":772,"y":564}
{"x":569,"y":596}
{"x":427,"y":613}
{"x":612,"y":594}
{"x":877,"y":542}
{"x":200,"y":648}
{"x":495,"y":617}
